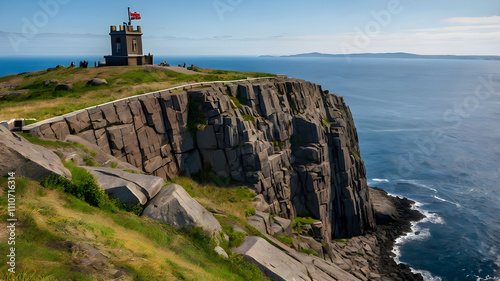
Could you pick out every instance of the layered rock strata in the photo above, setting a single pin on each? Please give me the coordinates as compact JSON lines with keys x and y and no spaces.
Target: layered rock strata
{"x":287,"y":138}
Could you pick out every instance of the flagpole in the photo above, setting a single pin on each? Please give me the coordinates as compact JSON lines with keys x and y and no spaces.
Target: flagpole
{"x":129,"y":21}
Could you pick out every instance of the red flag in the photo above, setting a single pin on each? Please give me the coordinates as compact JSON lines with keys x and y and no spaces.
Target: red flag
{"x":135,"y":16}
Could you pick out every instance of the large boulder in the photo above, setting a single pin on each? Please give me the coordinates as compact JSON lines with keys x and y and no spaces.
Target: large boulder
{"x":127,"y":187}
{"x":273,"y":262}
{"x":384,"y":209}
{"x":174,"y":206}
{"x":97,"y":82}
{"x":27,"y":159}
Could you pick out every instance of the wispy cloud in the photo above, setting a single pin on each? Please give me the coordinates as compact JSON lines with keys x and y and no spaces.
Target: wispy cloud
{"x":473,"y":20}
{"x":460,"y":28}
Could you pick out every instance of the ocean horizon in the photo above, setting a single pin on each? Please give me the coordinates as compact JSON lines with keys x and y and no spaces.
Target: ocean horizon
{"x":428,"y":130}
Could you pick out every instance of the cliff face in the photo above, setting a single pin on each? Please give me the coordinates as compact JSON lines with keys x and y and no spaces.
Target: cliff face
{"x":294,"y":143}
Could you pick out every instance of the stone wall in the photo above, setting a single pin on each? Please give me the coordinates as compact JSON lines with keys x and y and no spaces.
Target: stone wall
{"x":294,"y":143}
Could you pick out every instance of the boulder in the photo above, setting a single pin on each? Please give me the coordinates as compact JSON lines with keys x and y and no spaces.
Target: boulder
{"x":47,"y":83}
{"x":221,"y":251}
{"x":26,"y":159}
{"x":385,"y":211}
{"x":272,"y":262}
{"x":129,"y":188}
{"x":262,"y":222}
{"x":260,"y":203}
{"x":174,"y":206}
{"x":282,"y":226}
{"x":97,"y":82}
{"x":64,"y":87}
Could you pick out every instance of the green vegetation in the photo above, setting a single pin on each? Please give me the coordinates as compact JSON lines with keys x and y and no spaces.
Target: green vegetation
{"x":197,"y":119}
{"x":284,"y":239}
{"x":33,"y":99}
{"x":249,"y":118}
{"x":309,"y":252}
{"x":278,"y":143}
{"x":90,"y":162}
{"x":113,"y":165}
{"x":343,"y":241}
{"x":230,"y":200}
{"x":236,"y":102}
{"x":250,"y":212}
{"x":300,"y":221}
{"x":56,"y":225}
{"x":354,"y":154}
{"x":325,"y":122}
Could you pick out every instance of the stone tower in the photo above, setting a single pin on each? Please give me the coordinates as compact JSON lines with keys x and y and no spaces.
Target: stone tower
{"x":126,"y":47}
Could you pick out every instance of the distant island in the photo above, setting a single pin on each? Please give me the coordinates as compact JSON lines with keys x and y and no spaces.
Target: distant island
{"x":398,"y":55}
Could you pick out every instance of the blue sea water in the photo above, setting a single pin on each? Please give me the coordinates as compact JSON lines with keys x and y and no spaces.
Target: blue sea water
{"x":428,"y":130}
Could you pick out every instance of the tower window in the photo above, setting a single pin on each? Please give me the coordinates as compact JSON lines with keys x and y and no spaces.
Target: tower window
{"x":134,"y":45}
{"x":118,"y":45}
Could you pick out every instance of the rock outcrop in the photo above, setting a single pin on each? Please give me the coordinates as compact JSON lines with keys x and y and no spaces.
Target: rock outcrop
{"x":128,"y":187}
{"x":293,"y":142}
{"x":273,"y":262}
{"x":26,"y":159}
{"x":173,"y":206}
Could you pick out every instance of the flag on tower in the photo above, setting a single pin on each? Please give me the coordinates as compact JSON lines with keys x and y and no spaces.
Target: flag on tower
{"x":135,"y":16}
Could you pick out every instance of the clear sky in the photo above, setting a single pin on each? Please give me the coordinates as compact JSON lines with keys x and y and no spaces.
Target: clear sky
{"x":254,"y":27}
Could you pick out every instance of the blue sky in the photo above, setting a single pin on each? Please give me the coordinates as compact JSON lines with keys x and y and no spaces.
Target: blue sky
{"x":254,"y":27}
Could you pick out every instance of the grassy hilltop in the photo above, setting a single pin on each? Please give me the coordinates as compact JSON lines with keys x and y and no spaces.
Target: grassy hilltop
{"x":25,"y":95}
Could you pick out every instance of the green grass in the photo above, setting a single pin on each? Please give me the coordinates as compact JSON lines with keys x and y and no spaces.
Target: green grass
{"x":325,"y":122}
{"x":249,"y":118}
{"x":284,"y":239}
{"x":354,"y":154}
{"x":236,"y":102}
{"x":147,"y":249}
{"x":300,"y":221}
{"x":35,"y":103}
{"x":309,"y":252}
{"x":113,"y":165}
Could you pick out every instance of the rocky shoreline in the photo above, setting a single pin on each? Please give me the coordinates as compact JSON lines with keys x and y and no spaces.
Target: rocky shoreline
{"x":393,"y":220}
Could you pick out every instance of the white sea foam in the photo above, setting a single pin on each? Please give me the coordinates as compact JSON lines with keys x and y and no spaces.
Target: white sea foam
{"x":380,"y":180}
{"x":416,"y":183}
{"x":426,"y":275}
{"x":487,"y":278}
{"x":447,"y":201}
{"x":418,"y":234}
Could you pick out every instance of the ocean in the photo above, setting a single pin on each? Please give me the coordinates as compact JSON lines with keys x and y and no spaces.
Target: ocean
{"x":428,"y":130}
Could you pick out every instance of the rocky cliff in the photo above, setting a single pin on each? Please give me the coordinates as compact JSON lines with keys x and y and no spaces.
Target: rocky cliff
{"x":287,"y":138}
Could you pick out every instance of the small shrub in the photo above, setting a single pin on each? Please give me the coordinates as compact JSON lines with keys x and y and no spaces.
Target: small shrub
{"x":250,"y":212}
{"x":309,"y":252}
{"x":278,"y":143}
{"x":197,"y":119}
{"x":113,"y":165}
{"x":90,"y":162}
{"x":249,"y":118}
{"x":236,"y":102}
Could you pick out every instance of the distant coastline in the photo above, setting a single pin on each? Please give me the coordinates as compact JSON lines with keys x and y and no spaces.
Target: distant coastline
{"x":386,"y":56}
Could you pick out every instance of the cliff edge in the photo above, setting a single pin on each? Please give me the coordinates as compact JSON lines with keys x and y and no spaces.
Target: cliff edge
{"x":293,"y":142}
